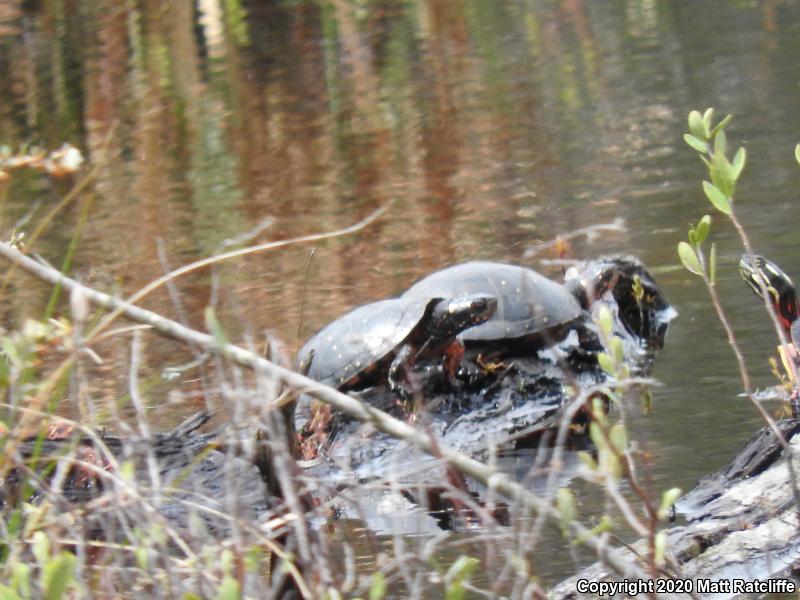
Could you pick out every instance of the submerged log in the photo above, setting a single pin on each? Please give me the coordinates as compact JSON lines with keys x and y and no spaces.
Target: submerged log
{"x":741,"y":523}
{"x":182,"y":467}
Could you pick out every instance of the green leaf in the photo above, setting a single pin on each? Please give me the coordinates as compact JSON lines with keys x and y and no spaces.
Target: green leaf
{"x":660,"y":547}
{"x":689,"y":259}
{"x":619,"y":437}
{"x":721,"y":125}
{"x":215,"y":327}
{"x":708,"y":117}
{"x":717,"y":198}
{"x":693,"y":238}
{"x":712,"y":264}
{"x":637,"y":288}
{"x":377,"y":591}
{"x":459,"y":571}
{"x":228,"y":589}
{"x":696,"y":125}
{"x":696,"y":143}
{"x":605,"y":320}
{"x":566,"y":505}
{"x":647,"y":400}
{"x":588,"y":460}
{"x":599,"y":407}
{"x":455,"y":592}
{"x":607,"y":363}
{"x":41,"y":547}
{"x":605,"y":524}
{"x":617,"y":350}
{"x":797,"y":153}
{"x":738,"y":162}
{"x":21,"y":579}
{"x":722,"y":174}
{"x":610,"y":463}
{"x":596,"y":435}
{"x":332,"y":594}
{"x":720,"y":143}
{"x":253,"y":559}
{"x":127,"y":471}
{"x":226,"y":561}
{"x":702,"y":229}
{"x":6,"y":593}
{"x":58,"y":574}
{"x":462,"y":569}
{"x":668,"y":498}
{"x":141,"y":553}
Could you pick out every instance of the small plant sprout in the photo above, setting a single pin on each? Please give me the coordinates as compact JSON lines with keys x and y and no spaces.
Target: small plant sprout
{"x":379,"y":587}
{"x":668,"y":499}
{"x":711,"y":143}
{"x":567,"y":508}
{"x":457,"y":575}
{"x":692,"y":255}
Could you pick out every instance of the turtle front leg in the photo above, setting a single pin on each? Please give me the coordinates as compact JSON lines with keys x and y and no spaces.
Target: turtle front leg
{"x":400,"y":373}
{"x":451,"y":361}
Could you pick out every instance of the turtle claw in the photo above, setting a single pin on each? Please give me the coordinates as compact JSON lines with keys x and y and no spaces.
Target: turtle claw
{"x":491,"y":367}
{"x":399,"y":389}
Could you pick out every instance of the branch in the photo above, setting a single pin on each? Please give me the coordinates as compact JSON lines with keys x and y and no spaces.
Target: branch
{"x":207,"y":262}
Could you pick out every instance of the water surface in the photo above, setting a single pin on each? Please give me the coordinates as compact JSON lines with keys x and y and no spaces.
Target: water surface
{"x":487,"y":127}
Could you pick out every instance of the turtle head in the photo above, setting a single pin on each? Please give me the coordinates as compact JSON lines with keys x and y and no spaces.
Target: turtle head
{"x":641,"y":306}
{"x":451,"y":317}
{"x":764,"y":276}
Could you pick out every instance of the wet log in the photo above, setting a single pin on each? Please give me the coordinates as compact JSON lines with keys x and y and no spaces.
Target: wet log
{"x":739,"y":524}
{"x":182,"y":466}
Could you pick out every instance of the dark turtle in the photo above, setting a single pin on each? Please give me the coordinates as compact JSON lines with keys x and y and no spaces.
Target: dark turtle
{"x":641,"y":306}
{"x":528,"y":304}
{"x":379,"y":342}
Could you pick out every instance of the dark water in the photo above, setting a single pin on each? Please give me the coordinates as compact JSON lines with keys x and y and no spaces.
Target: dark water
{"x":489,"y":126}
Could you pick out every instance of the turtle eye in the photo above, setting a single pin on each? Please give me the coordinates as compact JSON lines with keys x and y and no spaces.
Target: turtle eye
{"x":478,"y":305}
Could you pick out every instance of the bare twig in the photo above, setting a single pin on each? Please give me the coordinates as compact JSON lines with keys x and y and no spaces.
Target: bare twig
{"x":207,"y":262}
{"x":591,"y":232}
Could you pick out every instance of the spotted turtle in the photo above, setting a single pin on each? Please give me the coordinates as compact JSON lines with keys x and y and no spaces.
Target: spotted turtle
{"x":528,"y":304}
{"x":379,"y":342}
{"x":533,"y":310}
